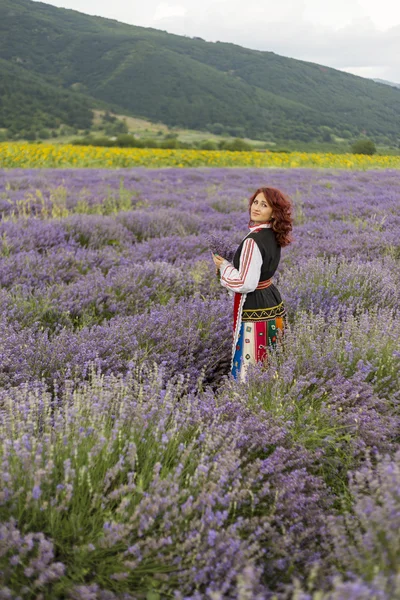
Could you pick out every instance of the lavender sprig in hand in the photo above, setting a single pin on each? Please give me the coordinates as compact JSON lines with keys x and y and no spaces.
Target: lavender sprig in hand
{"x":222,"y":247}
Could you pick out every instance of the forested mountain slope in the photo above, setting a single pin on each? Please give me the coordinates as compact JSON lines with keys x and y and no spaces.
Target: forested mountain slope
{"x":26,"y":98}
{"x":189,"y":82}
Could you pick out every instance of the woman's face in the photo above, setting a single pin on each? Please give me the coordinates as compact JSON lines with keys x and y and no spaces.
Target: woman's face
{"x":260,"y":210}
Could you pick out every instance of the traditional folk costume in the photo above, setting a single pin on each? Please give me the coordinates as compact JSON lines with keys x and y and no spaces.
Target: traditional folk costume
{"x":258,"y":308}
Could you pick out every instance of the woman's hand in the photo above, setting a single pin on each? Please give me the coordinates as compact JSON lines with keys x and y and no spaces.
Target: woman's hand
{"x":218,"y":261}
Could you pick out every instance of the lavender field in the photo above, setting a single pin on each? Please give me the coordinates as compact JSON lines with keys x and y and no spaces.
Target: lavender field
{"x":131,"y":465}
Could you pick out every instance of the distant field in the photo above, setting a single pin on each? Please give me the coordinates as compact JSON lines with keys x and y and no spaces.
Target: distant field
{"x":24,"y":155}
{"x":144,"y":128}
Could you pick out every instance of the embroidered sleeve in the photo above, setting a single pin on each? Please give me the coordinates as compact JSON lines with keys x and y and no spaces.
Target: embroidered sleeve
{"x":245,"y":279}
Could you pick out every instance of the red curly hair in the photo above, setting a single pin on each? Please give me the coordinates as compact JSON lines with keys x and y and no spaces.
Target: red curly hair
{"x":282,"y":211}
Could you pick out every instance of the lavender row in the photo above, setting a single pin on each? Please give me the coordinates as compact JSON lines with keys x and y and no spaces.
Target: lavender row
{"x":221,"y":190}
{"x":77,"y":237}
{"x":326,"y":285}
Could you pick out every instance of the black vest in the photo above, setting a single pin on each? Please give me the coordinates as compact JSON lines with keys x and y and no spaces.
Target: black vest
{"x":265,"y":304}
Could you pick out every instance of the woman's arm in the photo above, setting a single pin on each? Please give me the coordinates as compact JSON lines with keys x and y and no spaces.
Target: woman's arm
{"x":245,"y":279}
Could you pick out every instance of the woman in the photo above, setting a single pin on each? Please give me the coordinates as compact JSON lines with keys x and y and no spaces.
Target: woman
{"x":258,"y":308}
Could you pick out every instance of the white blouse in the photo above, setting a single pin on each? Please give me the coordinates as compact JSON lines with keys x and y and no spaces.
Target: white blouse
{"x":247,"y":278}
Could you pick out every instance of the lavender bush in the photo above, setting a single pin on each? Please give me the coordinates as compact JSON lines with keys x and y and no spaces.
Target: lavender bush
{"x":159,"y":484}
{"x":330,"y":284}
{"x":365,"y":542}
{"x":131,"y":465}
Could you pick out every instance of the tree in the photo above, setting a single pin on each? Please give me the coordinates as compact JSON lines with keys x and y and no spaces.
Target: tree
{"x":326,"y":133}
{"x":30,"y":135}
{"x":216,"y":128}
{"x":237,"y":145}
{"x":208,"y":145}
{"x":44,"y":134}
{"x":116,"y":127}
{"x":108,"y":118}
{"x":363,"y":146}
{"x":346,"y":134}
{"x":238,"y":132}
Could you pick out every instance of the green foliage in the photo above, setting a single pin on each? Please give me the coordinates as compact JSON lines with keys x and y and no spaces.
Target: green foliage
{"x":44,"y":134}
{"x":30,"y":105}
{"x":109,"y":118}
{"x":125,"y":140}
{"x":169,"y":143}
{"x":56,"y":64}
{"x":216,"y":128}
{"x":237,"y":132}
{"x":208,"y":145}
{"x":174,"y":143}
{"x":237,"y":145}
{"x":29,"y":135}
{"x":94,"y":141}
{"x":363,"y":147}
{"x":116,"y":128}
{"x":130,"y":141}
{"x":326,"y":134}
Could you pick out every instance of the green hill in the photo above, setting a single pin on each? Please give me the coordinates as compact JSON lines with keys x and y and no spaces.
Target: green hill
{"x":26,"y":100}
{"x":186,"y":82}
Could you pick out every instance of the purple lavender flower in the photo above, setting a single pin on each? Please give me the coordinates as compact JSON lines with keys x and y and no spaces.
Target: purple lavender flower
{"x":219,"y":245}
{"x":36,"y":492}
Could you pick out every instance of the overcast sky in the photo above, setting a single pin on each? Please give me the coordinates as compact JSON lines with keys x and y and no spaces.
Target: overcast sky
{"x":358,"y":36}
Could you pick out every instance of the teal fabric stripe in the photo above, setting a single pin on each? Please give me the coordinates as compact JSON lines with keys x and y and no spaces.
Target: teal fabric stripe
{"x":238,"y":356}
